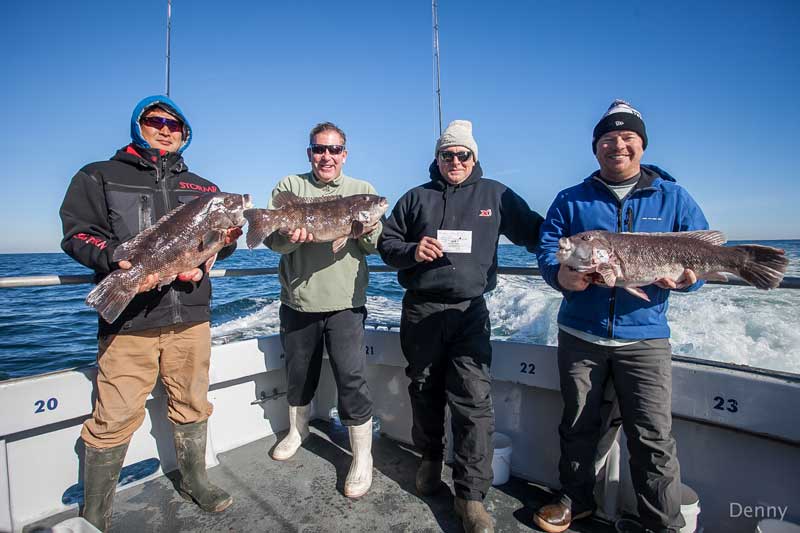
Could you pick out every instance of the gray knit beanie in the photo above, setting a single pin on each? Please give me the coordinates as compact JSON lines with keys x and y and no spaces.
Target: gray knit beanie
{"x":457,"y":133}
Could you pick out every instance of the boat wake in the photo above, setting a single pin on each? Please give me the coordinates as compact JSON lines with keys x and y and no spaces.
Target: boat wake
{"x":739,"y":325}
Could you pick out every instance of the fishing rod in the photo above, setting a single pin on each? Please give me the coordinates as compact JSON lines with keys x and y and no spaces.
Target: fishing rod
{"x":436,"y":65}
{"x":169,"y":30}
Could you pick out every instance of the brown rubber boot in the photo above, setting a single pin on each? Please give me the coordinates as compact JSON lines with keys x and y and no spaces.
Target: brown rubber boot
{"x":101,"y":469}
{"x":557,"y":516}
{"x":190,"y":447}
{"x":473,"y":516}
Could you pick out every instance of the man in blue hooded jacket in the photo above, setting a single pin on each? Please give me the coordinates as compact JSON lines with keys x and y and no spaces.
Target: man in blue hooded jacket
{"x":606,"y":333}
{"x":163,"y":330}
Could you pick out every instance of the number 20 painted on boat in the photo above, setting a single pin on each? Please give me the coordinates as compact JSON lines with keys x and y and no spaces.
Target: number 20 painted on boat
{"x":49,"y":405}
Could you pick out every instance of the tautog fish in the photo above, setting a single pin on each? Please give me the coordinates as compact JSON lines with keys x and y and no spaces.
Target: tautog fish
{"x":181,"y":240}
{"x":632,"y":260}
{"x":328,"y":218}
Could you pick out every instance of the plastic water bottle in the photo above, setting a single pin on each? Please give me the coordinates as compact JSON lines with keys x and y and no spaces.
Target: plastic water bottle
{"x":376,"y":426}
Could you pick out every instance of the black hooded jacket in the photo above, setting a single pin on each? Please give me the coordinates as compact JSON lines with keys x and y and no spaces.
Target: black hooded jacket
{"x":485,"y":207}
{"x":108,"y":203}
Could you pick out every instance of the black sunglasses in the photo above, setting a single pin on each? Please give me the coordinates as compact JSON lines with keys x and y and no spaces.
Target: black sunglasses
{"x":333,"y":149}
{"x":159,"y":122}
{"x":448,"y":156}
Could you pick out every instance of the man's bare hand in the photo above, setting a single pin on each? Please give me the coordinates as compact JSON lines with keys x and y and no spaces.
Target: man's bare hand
{"x":300,"y":235}
{"x":194,"y":274}
{"x":686,"y":279}
{"x":149,"y":283}
{"x":572,"y":280}
{"x":428,"y":249}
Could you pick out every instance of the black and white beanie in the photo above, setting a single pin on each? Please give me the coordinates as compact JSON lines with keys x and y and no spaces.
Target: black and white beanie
{"x":620,"y":116}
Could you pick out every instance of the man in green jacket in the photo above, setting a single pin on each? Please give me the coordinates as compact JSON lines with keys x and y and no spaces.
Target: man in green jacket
{"x":323,"y":297}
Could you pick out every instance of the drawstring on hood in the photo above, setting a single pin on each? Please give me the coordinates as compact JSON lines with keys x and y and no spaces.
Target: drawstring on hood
{"x":169,"y":105}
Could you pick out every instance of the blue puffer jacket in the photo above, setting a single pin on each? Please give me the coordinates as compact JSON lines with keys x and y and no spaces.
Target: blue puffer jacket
{"x":656,"y":204}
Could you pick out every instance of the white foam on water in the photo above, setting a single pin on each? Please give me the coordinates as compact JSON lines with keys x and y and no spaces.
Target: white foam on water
{"x":740,"y":325}
{"x":263,"y":322}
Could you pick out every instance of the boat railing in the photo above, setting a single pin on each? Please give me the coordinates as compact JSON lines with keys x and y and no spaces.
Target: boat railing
{"x":10,"y":282}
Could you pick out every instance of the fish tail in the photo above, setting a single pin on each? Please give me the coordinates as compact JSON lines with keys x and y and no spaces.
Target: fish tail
{"x":260,"y":223}
{"x":764,"y":266}
{"x":112,"y":295}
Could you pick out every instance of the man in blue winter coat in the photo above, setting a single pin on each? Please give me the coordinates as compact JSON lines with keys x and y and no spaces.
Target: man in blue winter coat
{"x":606,"y":333}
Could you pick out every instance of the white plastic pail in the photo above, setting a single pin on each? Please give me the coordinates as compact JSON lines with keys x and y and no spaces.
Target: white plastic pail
{"x":690,"y":513}
{"x":501,"y":461}
{"x":771,"y":525}
{"x":690,"y":508}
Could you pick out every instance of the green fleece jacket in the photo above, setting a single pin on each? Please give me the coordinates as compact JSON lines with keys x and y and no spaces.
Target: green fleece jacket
{"x":313,"y":279}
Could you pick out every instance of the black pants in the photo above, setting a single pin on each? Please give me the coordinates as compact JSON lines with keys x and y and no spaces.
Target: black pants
{"x":302,"y":337}
{"x":642,"y":377}
{"x":448,"y":352}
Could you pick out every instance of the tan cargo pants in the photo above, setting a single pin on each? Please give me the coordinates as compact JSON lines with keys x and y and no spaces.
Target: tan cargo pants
{"x":128,"y":366}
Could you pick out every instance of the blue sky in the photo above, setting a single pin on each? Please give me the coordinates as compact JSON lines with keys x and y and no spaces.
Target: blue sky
{"x":716,"y":82}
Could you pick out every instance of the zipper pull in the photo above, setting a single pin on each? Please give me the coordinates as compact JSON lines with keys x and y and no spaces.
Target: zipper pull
{"x":629,"y":219}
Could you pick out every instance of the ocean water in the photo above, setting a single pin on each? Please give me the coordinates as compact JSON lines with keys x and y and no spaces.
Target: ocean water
{"x":43,"y":329}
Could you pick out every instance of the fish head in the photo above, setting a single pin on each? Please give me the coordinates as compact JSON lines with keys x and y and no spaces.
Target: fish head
{"x":231,"y":207}
{"x":369,"y":208}
{"x":583,"y":251}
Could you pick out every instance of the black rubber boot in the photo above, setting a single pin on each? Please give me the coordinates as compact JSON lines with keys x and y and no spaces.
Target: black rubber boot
{"x":190,"y":447}
{"x":101,"y":468}
{"x":429,"y":477}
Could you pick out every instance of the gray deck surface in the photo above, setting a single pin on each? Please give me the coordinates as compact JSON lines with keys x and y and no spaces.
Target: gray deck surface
{"x":304,"y":494}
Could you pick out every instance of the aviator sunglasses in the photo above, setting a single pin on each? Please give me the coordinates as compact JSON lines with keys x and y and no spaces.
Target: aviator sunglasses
{"x":448,"y":156}
{"x":174,"y":126}
{"x":333,"y":149}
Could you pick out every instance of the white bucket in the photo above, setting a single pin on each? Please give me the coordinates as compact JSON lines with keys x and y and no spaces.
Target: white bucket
{"x":776,"y":526}
{"x":501,"y":460}
{"x":690,"y":508}
{"x":690,"y":513}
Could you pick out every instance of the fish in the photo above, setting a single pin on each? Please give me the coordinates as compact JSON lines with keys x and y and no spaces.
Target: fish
{"x":329,"y":218}
{"x":633,"y":260}
{"x":181,"y":240}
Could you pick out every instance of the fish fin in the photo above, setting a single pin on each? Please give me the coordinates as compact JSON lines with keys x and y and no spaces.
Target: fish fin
{"x":639,"y":293}
{"x":321,"y":199}
{"x":764,"y":267}
{"x":113,"y":294}
{"x":212,"y":238}
{"x":714,"y":276}
{"x":606,"y":270}
{"x":712,"y":236}
{"x":284,"y":198}
{"x":338,"y":244}
{"x":260,"y":224}
{"x":357,"y":229}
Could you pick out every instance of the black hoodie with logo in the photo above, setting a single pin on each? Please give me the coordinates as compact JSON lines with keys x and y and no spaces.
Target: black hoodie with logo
{"x":108,"y":203}
{"x":485,"y":207}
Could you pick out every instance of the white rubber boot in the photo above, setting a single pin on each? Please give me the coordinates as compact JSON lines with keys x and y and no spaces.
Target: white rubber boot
{"x":298,"y":432}
{"x":359,"y":478}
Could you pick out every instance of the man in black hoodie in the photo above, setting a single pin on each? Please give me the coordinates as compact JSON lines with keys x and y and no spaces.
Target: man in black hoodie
{"x":443,"y":236}
{"x":164,"y":330}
